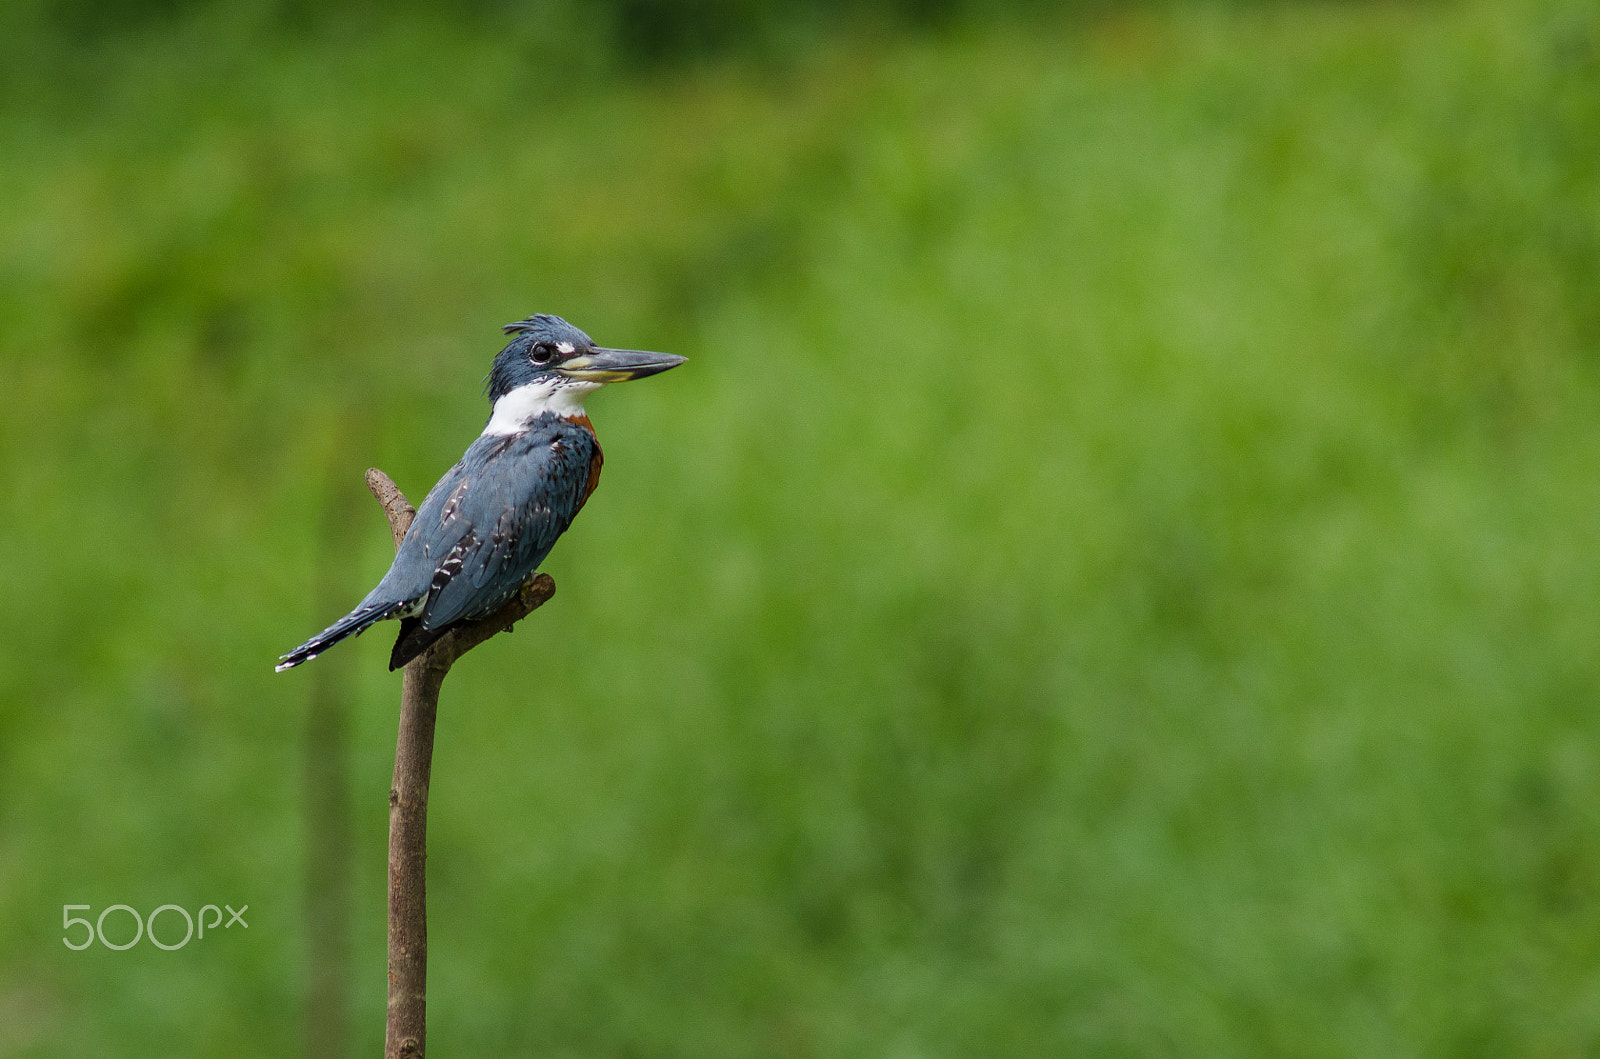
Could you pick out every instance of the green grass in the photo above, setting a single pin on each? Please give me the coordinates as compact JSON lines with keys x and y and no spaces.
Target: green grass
{"x":1116,"y":578}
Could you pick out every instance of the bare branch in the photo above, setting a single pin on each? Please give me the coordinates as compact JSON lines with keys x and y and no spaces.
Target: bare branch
{"x":394,"y":502}
{"x":405,"y":1032}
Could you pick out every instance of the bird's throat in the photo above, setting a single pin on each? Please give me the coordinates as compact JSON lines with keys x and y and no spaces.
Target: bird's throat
{"x":517,"y":408}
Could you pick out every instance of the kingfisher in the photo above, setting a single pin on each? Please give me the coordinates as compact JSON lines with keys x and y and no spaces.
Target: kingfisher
{"x":490,"y":521}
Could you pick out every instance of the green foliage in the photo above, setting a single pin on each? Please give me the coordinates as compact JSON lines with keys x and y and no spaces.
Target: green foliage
{"x":1116,"y":578}
{"x":647,"y":32}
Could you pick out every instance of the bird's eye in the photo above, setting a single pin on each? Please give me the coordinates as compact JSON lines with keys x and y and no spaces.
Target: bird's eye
{"x":543,"y":353}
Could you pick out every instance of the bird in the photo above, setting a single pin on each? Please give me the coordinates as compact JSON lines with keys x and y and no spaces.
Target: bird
{"x":485,"y":527}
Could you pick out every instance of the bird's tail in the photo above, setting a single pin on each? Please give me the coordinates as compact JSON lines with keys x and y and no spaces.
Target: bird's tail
{"x":357,"y":621}
{"x":413,"y":640}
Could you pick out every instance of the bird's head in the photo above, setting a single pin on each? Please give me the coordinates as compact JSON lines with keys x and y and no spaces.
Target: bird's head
{"x":551,"y":366}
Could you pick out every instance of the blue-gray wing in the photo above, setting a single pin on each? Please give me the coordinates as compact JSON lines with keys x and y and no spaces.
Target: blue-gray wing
{"x":489,"y":523}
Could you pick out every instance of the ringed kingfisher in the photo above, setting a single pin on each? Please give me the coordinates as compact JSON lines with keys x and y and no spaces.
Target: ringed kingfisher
{"x":490,"y":521}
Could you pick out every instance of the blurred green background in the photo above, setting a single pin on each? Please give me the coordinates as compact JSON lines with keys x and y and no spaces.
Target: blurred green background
{"x":1117,"y":577}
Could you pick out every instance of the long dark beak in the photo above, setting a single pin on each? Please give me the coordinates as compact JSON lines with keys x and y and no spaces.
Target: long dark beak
{"x":617,"y":365}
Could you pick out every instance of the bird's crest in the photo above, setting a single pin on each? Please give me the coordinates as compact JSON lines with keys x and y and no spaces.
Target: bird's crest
{"x":536,"y":322}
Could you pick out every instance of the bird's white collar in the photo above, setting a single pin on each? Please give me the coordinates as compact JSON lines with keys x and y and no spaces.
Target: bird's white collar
{"x":516,"y":408}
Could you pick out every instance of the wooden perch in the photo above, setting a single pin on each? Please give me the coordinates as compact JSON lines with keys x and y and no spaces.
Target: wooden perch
{"x":423,"y":676}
